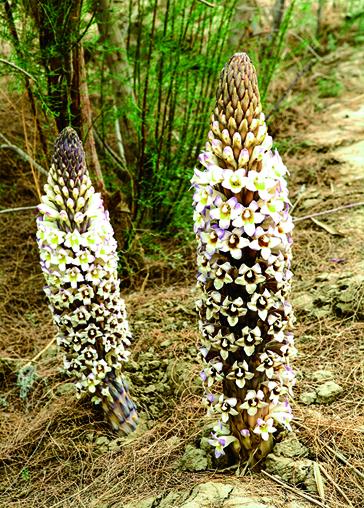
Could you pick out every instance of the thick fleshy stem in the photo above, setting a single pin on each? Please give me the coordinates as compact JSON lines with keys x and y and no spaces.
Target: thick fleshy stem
{"x":243,"y":229}
{"x":79,"y":261}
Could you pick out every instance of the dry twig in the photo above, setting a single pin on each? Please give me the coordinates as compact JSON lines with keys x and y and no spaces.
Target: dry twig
{"x":19,"y":69}
{"x":9,"y":146}
{"x":327,"y":212}
{"x":339,"y":489}
{"x":294,"y":490}
{"x":38,"y":355}
{"x":18,"y":209}
{"x":341,"y":457}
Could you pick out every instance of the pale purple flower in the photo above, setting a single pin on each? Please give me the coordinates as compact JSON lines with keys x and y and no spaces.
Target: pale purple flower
{"x":225,"y":211}
{"x":212,"y":372}
{"x":220,"y":442}
{"x":214,"y":239}
{"x":282,"y":413}
{"x":203,"y":197}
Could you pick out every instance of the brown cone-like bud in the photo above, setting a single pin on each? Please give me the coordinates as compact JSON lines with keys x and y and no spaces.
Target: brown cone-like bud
{"x":238,"y":105}
{"x":237,"y":121}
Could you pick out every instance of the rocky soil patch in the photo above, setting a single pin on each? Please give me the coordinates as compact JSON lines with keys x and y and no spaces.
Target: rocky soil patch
{"x":214,"y":494}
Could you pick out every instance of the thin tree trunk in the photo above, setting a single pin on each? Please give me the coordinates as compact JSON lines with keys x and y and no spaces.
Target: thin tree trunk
{"x":121,"y":73}
{"x":122,"y":86}
{"x":16,"y":43}
{"x":58,"y":24}
{"x":86,"y":126}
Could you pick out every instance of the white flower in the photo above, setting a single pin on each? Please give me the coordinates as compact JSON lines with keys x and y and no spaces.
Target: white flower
{"x":221,"y":274}
{"x":266,"y":365}
{"x":234,"y":180}
{"x":261,"y":183}
{"x":240,"y":373}
{"x":225,"y":344}
{"x":234,"y":242}
{"x":250,"y":277}
{"x":249,"y":218}
{"x":214,"y":174}
{"x":203,"y":198}
{"x":265,"y":242}
{"x":233,"y":309}
{"x":282,"y":413}
{"x":261,"y":303}
{"x":55,"y":238}
{"x":200,"y":221}
{"x":213,"y":240}
{"x":73,"y":240}
{"x":226,"y":406}
{"x":48,"y":209}
{"x":61,"y":258}
{"x":275,"y":391}
{"x":254,"y":400}
{"x":264,"y":428}
{"x":273,"y":208}
{"x":73,"y":276}
{"x":212,"y":372}
{"x":84,"y":260}
{"x":250,"y":338}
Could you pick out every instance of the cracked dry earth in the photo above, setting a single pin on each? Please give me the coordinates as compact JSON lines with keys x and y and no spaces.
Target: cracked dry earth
{"x":213,"y":495}
{"x":337,"y":136}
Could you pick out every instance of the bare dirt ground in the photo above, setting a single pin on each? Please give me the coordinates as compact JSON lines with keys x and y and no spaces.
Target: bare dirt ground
{"x":57,"y":452}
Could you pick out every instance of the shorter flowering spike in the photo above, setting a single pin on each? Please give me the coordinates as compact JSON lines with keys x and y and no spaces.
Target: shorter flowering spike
{"x":79,"y":262}
{"x":243,"y":229}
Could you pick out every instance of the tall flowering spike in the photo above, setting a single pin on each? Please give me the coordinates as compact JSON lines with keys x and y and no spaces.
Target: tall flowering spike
{"x":79,"y":262}
{"x":243,"y":229}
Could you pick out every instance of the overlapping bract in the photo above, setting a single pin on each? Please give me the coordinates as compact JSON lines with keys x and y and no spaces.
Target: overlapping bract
{"x":79,"y":262}
{"x":243,"y":228}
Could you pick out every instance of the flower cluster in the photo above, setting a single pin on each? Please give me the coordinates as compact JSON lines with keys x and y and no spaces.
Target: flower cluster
{"x":243,"y":229}
{"x":79,"y":261}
